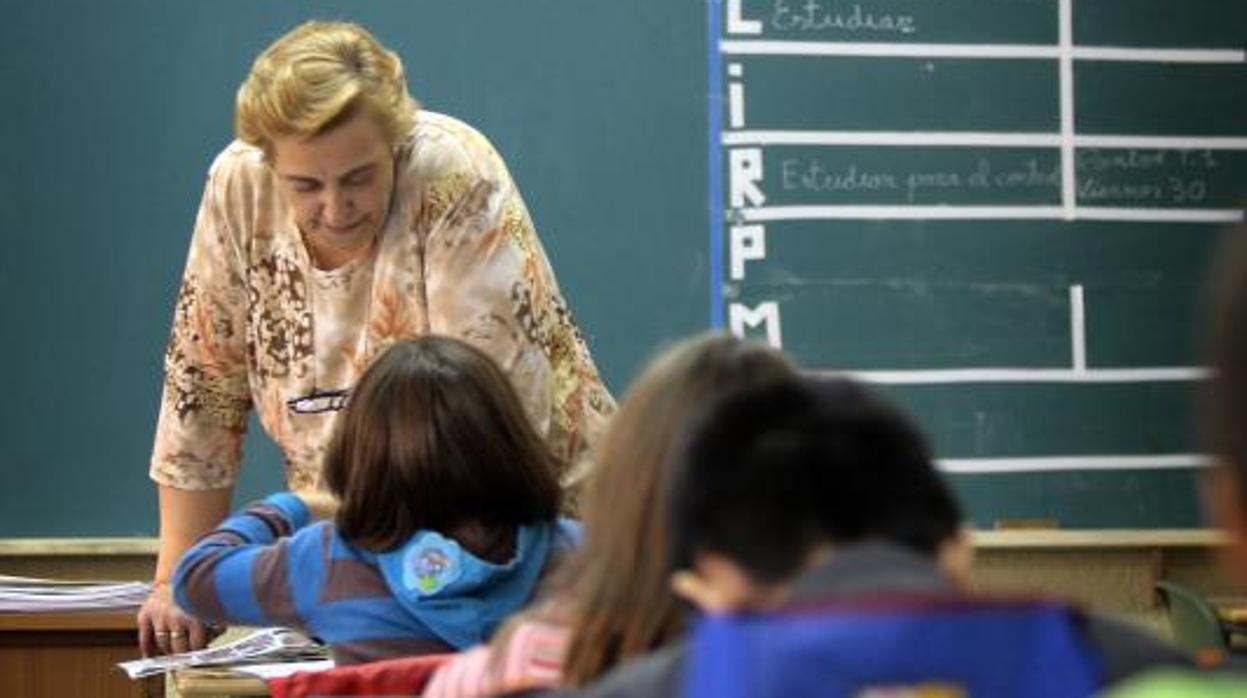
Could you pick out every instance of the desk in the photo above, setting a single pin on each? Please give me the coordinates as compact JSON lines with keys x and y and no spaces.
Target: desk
{"x":217,"y":682}
{"x":71,"y":654}
{"x":1230,"y":609}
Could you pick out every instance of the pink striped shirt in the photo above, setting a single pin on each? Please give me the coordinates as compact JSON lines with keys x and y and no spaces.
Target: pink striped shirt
{"x":531,"y":658}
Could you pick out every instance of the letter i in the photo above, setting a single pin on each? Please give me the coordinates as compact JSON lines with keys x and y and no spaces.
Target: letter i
{"x":736,"y":96}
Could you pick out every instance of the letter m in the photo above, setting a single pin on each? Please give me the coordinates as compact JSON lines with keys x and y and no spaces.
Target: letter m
{"x":765,"y":314}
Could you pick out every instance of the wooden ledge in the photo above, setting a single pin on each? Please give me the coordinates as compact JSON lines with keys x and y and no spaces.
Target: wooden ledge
{"x":78,"y":547}
{"x":1057,"y":539}
{"x":52,"y":621}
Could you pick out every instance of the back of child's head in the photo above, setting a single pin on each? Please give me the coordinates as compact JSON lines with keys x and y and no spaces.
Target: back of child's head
{"x":620,"y":589}
{"x":773,"y":472}
{"x":434,"y":437}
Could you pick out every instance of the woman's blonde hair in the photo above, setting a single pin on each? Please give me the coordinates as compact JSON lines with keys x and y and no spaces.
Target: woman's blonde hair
{"x":317,"y":76}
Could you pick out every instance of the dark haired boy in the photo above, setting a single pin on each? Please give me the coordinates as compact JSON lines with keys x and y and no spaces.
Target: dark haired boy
{"x":805,"y":491}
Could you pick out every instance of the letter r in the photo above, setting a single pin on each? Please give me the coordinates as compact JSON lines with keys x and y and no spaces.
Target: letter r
{"x":746,"y":172}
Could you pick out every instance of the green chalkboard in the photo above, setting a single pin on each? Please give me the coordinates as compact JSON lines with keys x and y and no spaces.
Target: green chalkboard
{"x":113,"y":112}
{"x":1000,"y":210}
{"x":910,"y":164}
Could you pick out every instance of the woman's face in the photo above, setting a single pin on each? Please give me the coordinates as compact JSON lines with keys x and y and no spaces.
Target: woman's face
{"x":339,"y":184}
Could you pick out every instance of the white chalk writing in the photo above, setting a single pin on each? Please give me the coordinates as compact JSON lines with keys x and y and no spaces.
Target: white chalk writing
{"x":1101,"y":160}
{"x":817,"y":15}
{"x":1096,"y":189}
{"x":813,"y":175}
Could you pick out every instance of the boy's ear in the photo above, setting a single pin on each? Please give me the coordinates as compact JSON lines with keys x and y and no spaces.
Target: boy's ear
{"x":691,"y":587}
{"x":956,"y":557}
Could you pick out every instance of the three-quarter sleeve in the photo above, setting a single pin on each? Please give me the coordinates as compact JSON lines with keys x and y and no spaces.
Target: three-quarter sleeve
{"x":581,"y":404}
{"x":205,"y":399}
{"x":489,"y":282}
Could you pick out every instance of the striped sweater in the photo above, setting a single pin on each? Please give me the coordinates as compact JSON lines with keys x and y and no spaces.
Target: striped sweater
{"x":267,"y":565}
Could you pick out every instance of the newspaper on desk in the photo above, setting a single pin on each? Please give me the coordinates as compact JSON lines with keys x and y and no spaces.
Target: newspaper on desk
{"x":268,"y":645}
{"x":30,"y":595}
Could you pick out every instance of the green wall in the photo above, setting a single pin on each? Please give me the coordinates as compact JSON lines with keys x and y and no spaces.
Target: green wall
{"x":610,"y":114}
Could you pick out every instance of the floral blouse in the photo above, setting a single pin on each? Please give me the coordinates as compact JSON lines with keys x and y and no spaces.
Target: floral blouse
{"x":256,"y":324}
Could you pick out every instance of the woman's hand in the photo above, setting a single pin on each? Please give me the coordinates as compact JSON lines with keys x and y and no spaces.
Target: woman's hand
{"x":321,"y":505}
{"x":165,"y":629}
{"x":184,"y":516}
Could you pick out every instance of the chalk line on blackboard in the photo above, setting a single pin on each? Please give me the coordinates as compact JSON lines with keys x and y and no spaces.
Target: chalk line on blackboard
{"x":1077,"y":329}
{"x":984,"y":139}
{"x":757,"y":47}
{"x":898,"y":138}
{"x":765,"y":214}
{"x":1069,"y":177}
{"x":1166,"y":215}
{"x":944,"y":376}
{"x":1073,"y":462}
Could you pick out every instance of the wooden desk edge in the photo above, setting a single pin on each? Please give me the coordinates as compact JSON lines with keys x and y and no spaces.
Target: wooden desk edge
{"x":70,"y":621}
{"x":983,"y":540}
{"x":78,"y":547}
{"x":215,"y":682}
{"x":1067,"y":539}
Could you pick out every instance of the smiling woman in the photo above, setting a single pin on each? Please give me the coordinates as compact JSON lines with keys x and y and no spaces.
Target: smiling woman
{"x":343,"y":220}
{"x":339,"y":184}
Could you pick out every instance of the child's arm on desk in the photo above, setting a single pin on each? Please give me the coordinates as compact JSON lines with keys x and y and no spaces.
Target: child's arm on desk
{"x":240,"y":572}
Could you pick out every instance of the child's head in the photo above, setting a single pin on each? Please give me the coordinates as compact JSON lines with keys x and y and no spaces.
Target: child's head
{"x":776,"y":477}
{"x":1227,"y":483}
{"x":623,"y":603}
{"x":434,"y":437}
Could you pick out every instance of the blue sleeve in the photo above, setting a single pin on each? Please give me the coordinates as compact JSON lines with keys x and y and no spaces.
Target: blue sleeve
{"x":240,"y":572}
{"x":570,"y":533}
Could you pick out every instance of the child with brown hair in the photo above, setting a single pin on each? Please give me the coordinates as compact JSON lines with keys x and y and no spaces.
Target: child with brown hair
{"x":447,"y":517}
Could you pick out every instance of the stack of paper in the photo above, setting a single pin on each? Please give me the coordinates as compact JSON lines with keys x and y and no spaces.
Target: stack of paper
{"x":27,"y":594}
{"x":264,"y":646}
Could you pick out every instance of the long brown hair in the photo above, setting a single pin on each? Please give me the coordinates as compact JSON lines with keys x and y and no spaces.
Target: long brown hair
{"x":1228,"y":356}
{"x":621,"y":604}
{"x":434,"y":437}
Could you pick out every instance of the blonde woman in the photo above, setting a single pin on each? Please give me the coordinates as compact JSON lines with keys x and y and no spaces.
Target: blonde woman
{"x":612,"y":601}
{"x":343,"y":219}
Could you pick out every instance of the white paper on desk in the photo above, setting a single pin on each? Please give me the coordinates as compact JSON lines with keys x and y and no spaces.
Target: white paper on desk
{"x":280,"y":669}
{"x":267,"y":645}
{"x":27,"y":594}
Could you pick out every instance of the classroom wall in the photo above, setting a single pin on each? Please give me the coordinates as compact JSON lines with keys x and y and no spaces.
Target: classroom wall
{"x":613,"y":118}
